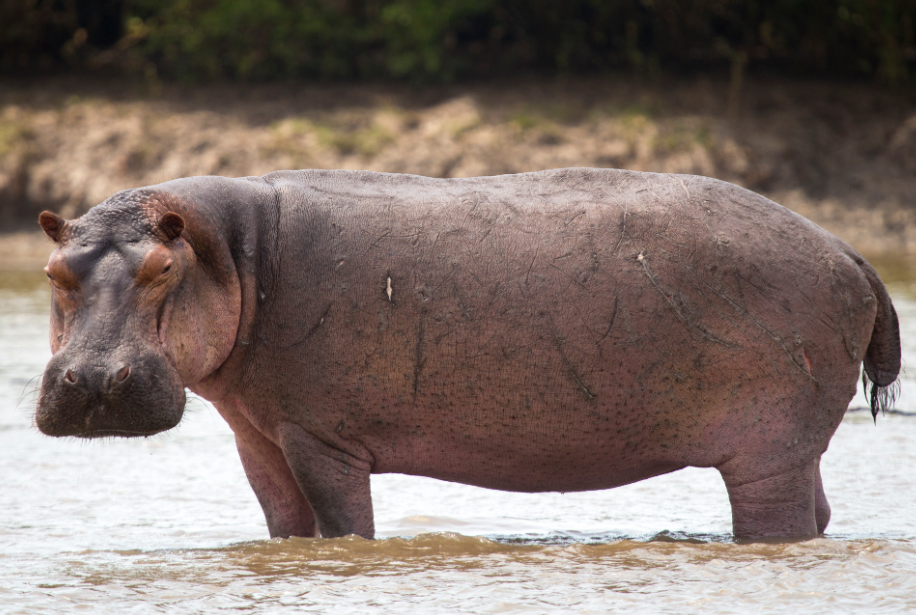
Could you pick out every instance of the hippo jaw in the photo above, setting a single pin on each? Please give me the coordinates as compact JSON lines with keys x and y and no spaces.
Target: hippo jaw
{"x":114,"y":288}
{"x":129,"y":395}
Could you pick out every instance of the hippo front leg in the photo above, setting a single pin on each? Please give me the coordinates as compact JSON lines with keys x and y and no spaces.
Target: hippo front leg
{"x":285,"y":508}
{"x":334,"y":481}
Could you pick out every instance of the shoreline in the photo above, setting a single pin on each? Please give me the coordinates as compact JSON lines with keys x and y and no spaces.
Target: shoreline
{"x":24,"y":251}
{"x":842,"y":155}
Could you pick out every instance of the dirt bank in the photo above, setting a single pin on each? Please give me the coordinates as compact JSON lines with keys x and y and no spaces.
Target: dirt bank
{"x":843,"y":155}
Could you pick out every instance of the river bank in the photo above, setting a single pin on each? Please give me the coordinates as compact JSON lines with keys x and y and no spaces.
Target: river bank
{"x":844,"y":155}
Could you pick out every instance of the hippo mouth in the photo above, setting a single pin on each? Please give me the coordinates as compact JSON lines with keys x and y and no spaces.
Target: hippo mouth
{"x":117,"y":433}
{"x":73,"y":421}
{"x":96,"y":402}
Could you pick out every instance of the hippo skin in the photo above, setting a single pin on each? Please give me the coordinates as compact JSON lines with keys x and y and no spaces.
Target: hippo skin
{"x":565,"y":330}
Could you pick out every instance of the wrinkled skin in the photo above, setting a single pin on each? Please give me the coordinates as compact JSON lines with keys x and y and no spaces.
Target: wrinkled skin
{"x":557,"y":331}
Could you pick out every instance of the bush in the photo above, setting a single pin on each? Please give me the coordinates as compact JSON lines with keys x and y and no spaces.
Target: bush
{"x":429,"y":40}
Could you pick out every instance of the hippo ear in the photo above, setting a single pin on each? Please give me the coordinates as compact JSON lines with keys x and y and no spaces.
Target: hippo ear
{"x":171,"y":225}
{"x":52,"y":224}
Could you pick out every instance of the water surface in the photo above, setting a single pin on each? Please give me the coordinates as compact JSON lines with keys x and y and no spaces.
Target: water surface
{"x":169,"y":524}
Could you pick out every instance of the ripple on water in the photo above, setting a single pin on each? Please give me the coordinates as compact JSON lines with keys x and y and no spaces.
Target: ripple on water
{"x":451,"y":573}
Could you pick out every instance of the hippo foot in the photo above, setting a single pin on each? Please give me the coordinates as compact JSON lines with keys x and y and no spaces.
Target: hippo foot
{"x":787,"y":505}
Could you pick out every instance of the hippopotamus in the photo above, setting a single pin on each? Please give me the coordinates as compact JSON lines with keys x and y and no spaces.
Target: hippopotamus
{"x":564,"y":330}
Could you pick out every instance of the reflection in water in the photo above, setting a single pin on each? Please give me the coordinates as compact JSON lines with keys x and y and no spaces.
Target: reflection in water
{"x":169,"y":524}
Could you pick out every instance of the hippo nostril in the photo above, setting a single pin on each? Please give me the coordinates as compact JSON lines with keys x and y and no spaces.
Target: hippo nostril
{"x":69,"y":377}
{"x":119,"y":378}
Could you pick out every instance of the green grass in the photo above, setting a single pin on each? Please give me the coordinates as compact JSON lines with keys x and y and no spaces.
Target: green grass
{"x":11,"y":135}
{"x":355,"y":136}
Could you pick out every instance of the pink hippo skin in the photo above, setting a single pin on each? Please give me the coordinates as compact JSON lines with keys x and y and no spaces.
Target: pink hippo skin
{"x":564,"y":330}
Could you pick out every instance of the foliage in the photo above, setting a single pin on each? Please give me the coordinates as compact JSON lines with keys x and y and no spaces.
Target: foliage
{"x":440,"y":40}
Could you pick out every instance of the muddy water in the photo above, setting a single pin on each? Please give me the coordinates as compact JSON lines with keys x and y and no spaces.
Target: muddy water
{"x":169,"y":524}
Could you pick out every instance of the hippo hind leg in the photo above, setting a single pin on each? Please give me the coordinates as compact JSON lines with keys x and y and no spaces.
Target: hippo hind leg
{"x":786,"y":505}
{"x":821,"y":506}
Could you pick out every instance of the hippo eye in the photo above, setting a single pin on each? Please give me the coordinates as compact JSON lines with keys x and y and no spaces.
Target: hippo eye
{"x":167,"y":268}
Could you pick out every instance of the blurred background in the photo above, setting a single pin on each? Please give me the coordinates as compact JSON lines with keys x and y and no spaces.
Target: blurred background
{"x":811,"y":102}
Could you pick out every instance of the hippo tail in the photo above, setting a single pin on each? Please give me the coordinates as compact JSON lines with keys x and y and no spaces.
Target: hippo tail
{"x":882,"y":357}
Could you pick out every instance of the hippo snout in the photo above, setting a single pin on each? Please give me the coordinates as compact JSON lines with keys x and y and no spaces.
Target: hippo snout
{"x":98,"y":378}
{"x":109,"y":398}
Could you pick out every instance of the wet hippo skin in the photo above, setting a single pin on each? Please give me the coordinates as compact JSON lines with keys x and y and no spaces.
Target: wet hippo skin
{"x":566,"y":330}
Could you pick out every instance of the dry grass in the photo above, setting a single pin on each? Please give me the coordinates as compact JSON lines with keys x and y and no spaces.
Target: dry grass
{"x":843,"y":155}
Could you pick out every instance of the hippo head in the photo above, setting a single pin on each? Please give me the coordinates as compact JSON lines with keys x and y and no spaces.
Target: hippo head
{"x":129,"y":322}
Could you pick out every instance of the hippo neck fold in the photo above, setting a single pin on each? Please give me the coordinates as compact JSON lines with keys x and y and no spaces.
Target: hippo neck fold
{"x":232,"y":227}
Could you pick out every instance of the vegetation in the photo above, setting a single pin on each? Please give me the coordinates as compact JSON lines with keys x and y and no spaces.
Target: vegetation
{"x":443,"y":40}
